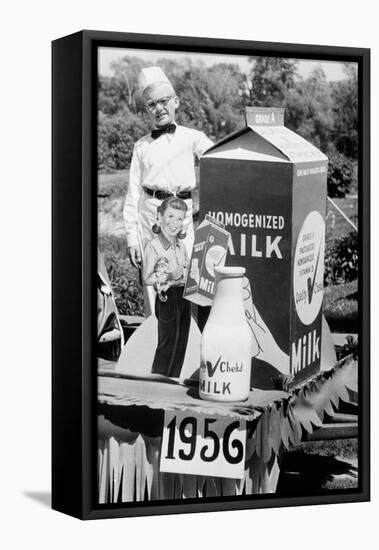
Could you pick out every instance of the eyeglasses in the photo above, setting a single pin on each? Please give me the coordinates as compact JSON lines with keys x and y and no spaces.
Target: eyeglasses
{"x":163,"y":102}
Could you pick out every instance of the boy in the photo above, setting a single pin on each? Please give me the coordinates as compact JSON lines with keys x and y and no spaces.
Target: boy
{"x":162,"y":165}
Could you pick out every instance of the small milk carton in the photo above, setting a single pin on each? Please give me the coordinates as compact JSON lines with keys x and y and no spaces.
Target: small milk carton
{"x":209,"y":250}
{"x":267,"y":185}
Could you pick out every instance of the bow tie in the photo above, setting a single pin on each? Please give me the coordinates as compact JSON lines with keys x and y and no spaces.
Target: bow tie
{"x":169,"y":129}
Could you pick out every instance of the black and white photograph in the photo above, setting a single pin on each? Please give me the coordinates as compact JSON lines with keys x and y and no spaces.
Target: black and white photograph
{"x":228,"y":279}
{"x":189,"y":326}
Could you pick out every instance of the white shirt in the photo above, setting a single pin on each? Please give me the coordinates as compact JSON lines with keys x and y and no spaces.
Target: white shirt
{"x":165,"y":164}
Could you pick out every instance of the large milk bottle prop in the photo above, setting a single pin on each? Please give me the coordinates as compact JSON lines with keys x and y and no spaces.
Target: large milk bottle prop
{"x":227,"y":342}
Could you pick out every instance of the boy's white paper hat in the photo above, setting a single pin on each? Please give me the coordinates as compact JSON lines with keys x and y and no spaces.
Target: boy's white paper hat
{"x":150,"y":76}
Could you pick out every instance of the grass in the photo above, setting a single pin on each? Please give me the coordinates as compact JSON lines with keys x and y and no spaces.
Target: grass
{"x":340,"y":307}
{"x":340,"y":301}
{"x":113,"y":185}
{"x":342,"y":448}
{"x":340,"y":304}
{"x":336,"y":226}
{"x":111,"y":194}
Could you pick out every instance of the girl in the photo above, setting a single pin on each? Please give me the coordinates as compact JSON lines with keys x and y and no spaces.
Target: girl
{"x":171,"y":309}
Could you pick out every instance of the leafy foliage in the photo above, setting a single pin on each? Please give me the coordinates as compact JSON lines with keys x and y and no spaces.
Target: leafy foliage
{"x":213,"y":99}
{"x":345,"y":96}
{"x":309,"y":110}
{"x":271,"y":79}
{"x":123,"y":278}
{"x":342,"y":260}
{"x":209,"y":101}
{"x":116,"y":137}
{"x":342,"y":175}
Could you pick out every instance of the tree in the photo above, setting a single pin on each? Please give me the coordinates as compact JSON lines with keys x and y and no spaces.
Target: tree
{"x":126,"y":72}
{"x":111,"y":95}
{"x":308,"y":103}
{"x":116,"y":137}
{"x":345,"y":95}
{"x":210,"y":100}
{"x":342,"y":175}
{"x":309,"y":109}
{"x":175,"y":69}
{"x":271,"y":79}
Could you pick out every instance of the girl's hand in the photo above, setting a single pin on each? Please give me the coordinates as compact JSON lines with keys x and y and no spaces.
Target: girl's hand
{"x":178,"y":273}
{"x":161,"y":277}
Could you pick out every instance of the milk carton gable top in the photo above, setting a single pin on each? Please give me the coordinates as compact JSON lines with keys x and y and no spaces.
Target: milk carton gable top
{"x":247,"y":145}
{"x":209,"y":220}
{"x":296,"y":148}
{"x":226,"y":139}
{"x":265,"y":143}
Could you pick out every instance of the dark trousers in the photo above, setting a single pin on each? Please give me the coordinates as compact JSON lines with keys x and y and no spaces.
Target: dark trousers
{"x":174,"y":318}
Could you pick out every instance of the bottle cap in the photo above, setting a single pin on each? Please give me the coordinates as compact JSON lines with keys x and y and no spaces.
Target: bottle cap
{"x":230,"y":271}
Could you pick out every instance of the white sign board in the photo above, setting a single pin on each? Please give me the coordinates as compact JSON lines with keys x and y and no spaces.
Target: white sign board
{"x":200,"y":444}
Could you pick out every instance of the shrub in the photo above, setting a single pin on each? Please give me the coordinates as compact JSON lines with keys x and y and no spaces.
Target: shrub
{"x":341,"y":260}
{"x":342,"y":175}
{"x":124,"y":278}
{"x":117,"y":135}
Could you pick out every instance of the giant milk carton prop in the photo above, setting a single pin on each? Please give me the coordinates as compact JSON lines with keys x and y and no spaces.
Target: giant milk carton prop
{"x":209,"y":250}
{"x":268,"y":186}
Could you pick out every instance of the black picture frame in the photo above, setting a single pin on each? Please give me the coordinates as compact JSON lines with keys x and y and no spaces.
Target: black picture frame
{"x":74,"y":253}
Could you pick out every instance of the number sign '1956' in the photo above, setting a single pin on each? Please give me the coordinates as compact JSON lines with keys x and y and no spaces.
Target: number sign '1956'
{"x":211,"y":445}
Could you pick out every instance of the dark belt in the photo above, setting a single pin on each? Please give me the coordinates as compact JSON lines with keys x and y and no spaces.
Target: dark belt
{"x":162,"y":195}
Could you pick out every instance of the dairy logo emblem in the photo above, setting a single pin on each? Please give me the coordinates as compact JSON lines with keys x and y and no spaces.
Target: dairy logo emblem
{"x":211,"y":369}
{"x":308,"y":270}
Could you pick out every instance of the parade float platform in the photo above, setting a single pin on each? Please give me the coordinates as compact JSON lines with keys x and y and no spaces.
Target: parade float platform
{"x":135,"y":415}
